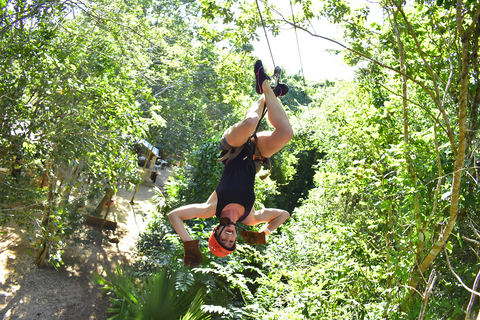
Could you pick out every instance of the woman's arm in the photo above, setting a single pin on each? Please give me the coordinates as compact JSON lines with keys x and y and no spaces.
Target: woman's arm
{"x":191,"y":211}
{"x":275,"y":217}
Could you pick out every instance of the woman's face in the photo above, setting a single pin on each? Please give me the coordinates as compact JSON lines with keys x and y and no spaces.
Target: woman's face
{"x":228,"y":236}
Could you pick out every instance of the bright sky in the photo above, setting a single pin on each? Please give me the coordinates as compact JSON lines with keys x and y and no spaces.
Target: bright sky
{"x":318,"y":64}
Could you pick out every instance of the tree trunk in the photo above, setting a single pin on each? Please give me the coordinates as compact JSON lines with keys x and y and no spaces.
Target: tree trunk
{"x":42,"y":255}
{"x":460,"y":156}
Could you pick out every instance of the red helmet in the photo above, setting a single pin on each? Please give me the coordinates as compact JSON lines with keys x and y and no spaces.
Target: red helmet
{"x":217,"y":248}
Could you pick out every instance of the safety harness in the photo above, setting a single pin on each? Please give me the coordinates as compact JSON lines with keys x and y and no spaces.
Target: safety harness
{"x":251,"y":146}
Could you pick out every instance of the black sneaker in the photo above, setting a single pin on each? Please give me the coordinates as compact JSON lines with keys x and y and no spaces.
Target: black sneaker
{"x":260,"y":76}
{"x":280,"y":90}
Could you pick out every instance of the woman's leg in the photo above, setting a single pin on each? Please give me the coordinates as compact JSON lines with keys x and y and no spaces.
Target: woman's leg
{"x":239,"y":133}
{"x":270,"y":142}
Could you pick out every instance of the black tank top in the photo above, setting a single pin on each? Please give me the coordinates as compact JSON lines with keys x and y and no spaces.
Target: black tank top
{"x":237,"y":183}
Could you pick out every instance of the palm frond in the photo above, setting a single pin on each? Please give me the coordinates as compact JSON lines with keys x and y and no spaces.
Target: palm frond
{"x":163,"y":294}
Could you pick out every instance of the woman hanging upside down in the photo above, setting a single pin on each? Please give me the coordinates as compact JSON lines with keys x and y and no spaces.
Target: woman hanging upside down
{"x":233,"y":199}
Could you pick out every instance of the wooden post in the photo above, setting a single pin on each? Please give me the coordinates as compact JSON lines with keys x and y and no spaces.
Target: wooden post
{"x":144,"y":166}
{"x":108,"y":210}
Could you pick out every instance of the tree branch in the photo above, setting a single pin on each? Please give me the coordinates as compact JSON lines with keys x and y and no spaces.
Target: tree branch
{"x":426,"y":295}
{"x":472,"y":297}
{"x":419,"y":48}
{"x":362,"y":55}
{"x":457,"y":276}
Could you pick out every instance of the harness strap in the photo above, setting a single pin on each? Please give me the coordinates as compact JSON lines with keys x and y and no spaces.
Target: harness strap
{"x":254,"y":135}
{"x":261,"y":160}
{"x":225,"y":144}
{"x":229,"y":155}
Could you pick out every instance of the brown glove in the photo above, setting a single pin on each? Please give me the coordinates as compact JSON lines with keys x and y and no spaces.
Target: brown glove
{"x":193,"y":257}
{"x":252,"y":237}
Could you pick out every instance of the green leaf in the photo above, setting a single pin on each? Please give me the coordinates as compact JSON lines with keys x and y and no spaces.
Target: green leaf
{"x":449,"y":246}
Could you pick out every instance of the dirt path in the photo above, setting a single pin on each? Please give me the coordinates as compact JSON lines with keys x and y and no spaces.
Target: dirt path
{"x":27,"y":292}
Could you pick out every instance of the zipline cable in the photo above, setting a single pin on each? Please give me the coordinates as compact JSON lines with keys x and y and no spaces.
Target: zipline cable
{"x":271,"y":54}
{"x":298,"y":48}
{"x":264,"y":30}
{"x":264,"y":112}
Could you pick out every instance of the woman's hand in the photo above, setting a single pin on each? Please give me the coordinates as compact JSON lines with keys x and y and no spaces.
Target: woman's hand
{"x":193,"y":257}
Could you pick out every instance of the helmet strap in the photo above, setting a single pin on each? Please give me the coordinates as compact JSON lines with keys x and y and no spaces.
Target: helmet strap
{"x":219,"y":230}
{"x":226,"y":222}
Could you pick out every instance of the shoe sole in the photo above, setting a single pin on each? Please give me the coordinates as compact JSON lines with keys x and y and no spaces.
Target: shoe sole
{"x":277,"y":74}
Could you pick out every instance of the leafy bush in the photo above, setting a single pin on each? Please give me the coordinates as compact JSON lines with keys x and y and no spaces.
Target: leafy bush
{"x":152,"y":296}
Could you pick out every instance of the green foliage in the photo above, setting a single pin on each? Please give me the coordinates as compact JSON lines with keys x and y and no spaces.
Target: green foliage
{"x":293,"y":175}
{"x":319,"y":270}
{"x":345,"y":251}
{"x":158,"y":247}
{"x":197,"y":92}
{"x":421,"y":155}
{"x":151,"y":296}
{"x":68,"y":108}
{"x":369,"y":174}
{"x":230,"y":281}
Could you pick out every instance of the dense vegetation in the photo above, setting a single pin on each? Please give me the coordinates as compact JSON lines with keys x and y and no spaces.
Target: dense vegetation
{"x":381,"y":176}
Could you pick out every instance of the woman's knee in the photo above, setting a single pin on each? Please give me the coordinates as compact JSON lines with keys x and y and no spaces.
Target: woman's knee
{"x":286,"y":133}
{"x":250,"y":123}
{"x":238,"y":134}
